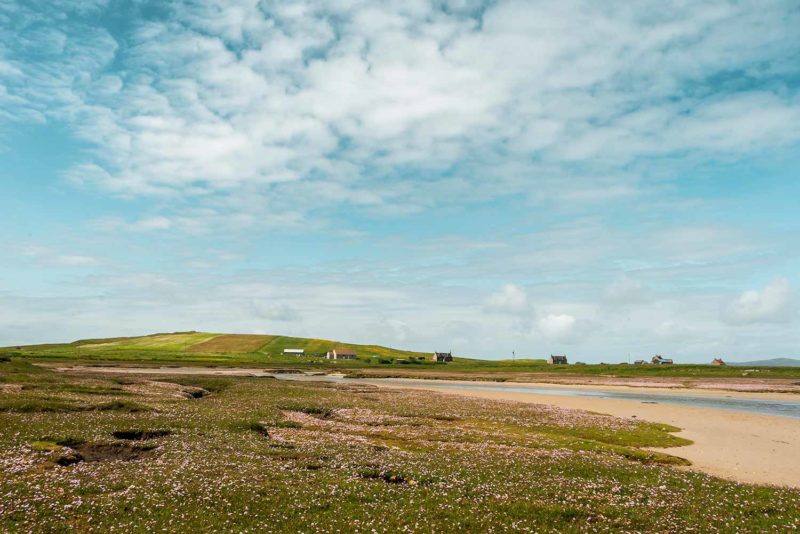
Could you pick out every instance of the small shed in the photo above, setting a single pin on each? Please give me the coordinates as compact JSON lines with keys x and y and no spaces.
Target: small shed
{"x":294,"y":352}
{"x":442,"y":357}
{"x":555,"y":359}
{"x":639,"y":362}
{"x":660,"y":360}
{"x":341,"y":353}
{"x":717,"y":361}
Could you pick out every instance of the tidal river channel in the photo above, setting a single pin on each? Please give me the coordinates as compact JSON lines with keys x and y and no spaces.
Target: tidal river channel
{"x":731,"y":402}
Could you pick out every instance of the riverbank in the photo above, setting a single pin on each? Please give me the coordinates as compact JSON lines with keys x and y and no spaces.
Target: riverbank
{"x":745,"y":447}
{"x":747,"y":380}
{"x":100,"y":452}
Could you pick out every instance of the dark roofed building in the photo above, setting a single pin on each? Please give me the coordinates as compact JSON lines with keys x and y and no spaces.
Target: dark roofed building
{"x":557,"y":360}
{"x":659,"y":360}
{"x":341,"y":353}
{"x":442,"y":357}
{"x":717,"y":361}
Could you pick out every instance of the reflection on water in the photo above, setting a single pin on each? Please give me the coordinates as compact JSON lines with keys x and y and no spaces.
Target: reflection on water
{"x":785,"y":408}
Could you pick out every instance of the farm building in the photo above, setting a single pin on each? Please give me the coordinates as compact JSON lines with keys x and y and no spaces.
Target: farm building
{"x":717,"y":361}
{"x":442,"y":357}
{"x":659,"y":360}
{"x":341,"y":354}
{"x":294,"y":352}
{"x":639,"y":362}
{"x":557,"y":360}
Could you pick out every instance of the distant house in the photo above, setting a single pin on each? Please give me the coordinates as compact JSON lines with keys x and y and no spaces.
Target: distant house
{"x":341,"y":354}
{"x":442,"y":357}
{"x":580,"y":363}
{"x":295,"y":352}
{"x":717,"y":361}
{"x":557,"y":360}
{"x":639,"y":362}
{"x":658,"y":360}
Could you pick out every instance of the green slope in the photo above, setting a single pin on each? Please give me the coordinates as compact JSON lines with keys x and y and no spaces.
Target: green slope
{"x":205,"y":347}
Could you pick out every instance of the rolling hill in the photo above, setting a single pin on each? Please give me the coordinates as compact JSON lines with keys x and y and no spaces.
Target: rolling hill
{"x":205,"y":346}
{"x":208,"y":348}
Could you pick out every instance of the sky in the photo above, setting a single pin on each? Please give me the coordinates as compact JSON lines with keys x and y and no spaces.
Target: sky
{"x":608,"y":180}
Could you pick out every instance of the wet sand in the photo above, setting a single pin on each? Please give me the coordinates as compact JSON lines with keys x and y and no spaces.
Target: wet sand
{"x":751,"y":448}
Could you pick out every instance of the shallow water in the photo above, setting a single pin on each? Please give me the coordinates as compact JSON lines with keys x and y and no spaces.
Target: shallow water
{"x":784,"y":408}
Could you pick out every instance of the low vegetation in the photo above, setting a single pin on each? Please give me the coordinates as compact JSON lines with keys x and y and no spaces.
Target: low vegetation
{"x":200,"y":348}
{"x":255,"y":455}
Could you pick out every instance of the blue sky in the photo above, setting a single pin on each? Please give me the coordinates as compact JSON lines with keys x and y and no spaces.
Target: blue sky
{"x":595,"y":178}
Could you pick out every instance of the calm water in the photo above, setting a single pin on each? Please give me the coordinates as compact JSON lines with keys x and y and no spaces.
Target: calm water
{"x":783,"y":408}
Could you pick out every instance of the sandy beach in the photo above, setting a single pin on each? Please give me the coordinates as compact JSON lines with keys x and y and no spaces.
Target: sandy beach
{"x":745,"y":447}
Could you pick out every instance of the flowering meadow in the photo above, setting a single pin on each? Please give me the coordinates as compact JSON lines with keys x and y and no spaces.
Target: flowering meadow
{"x":115,"y":453}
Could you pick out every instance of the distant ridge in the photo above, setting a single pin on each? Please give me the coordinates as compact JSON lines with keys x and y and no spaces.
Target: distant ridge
{"x":774,"y":362}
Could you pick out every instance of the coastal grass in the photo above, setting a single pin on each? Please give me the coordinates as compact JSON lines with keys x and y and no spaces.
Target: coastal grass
{"x":201,"y":348}
{"x":268,"y":455}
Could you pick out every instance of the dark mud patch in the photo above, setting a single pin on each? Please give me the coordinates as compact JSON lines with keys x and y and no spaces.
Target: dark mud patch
{"x":320,"y":412}
{"x":103,"y":452}
{"x":61,"y":405}
{"x":122,"y":406}
{"x":389,"y":477}
{"x":258,"y":428}
{"x":285,"y":445}
{"x":140,"y":435}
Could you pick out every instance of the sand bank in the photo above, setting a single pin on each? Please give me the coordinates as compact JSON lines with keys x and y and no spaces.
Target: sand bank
{"x":751,"y":448}
{"x":745,"y":447}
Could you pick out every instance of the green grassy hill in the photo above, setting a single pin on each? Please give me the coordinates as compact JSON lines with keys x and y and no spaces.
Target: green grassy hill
{"x":205,"y":347}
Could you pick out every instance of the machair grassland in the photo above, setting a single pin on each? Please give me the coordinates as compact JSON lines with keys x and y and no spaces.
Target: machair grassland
{"x":82,"y":453}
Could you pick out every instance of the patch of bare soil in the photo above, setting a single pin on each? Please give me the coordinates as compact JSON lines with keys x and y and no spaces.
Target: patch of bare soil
{"x":100,"y":452}
{"x":165,"y":390}
{"x":389,"y":477}
{"x":10,"y":388}
{"x":140,"y":435}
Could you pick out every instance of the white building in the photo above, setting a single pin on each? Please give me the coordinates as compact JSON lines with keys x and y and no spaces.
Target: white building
{"x":341,"y":354}
{"x":294,"y":352}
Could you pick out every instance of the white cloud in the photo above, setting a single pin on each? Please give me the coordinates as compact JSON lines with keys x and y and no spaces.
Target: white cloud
{"x":51,"y":258}
{"x":153,"y":223}
{"x":510,"y":299}
{"x":267,"y":102}
{"x":774,"y":304}
{"x":557,"y":327}
{"x":626,"y":292}
{"x":306,"y":116}
{"x":280,"y":312}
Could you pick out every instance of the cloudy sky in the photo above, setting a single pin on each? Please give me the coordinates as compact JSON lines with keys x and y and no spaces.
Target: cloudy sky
{"x":595,"y":178}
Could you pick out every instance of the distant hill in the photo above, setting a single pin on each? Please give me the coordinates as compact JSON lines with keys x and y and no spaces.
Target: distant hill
{"x":774,"y":362}
{"x":224,"y":344}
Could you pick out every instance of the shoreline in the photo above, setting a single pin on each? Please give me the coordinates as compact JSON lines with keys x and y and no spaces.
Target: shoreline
{"x":745,"y":447}
{"x":749,"y":448}
{"x":737,"y":384}
{"x":655,"y":388}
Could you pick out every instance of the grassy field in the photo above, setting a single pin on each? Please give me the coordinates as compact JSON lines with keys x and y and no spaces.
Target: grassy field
{"x":175,"y":454}
{"x":207,"y":348}
{"x":199,"y":348}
